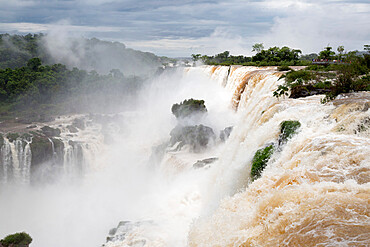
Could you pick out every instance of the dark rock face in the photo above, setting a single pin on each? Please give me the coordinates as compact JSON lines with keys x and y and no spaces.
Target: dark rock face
{"x":50,"y":132}
{"x":79,"y":123}
{"x":225,"y":133}
{"x":204,"y":163}
{"x":304,"y":91}
{"x":72,"y":129}
{"x":197,"y":136}
{"x":41,"y":149}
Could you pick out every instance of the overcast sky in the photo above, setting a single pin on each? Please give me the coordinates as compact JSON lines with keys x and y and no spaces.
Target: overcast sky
{"x":179,"y":28}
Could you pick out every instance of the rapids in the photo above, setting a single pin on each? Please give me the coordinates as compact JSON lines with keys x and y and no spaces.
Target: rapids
{"x":314,"y":190}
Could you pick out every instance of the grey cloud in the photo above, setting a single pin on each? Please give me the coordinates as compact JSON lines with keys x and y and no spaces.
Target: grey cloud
{"x":186,"y":21}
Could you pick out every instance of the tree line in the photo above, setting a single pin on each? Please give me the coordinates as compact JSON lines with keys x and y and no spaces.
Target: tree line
{"x":276,"y":56}
{"x":36,"y":88}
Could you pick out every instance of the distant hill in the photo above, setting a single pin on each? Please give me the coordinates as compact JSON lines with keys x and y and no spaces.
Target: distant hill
{"x":87,"y":54}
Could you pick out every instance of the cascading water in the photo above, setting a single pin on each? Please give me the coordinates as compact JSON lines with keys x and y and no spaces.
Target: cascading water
{"x":15,"y":161}
{"x":314,"y":190}
{"x":75,"y":152}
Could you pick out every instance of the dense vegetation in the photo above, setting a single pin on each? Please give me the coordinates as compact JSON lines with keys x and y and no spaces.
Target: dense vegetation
{"x":351,"y":75}
{"x":42,"y":89}
{"x":270,"y":57}
{"x":260,"y":159}
{"x":188,"y":107}
{"x":20,"y":239}
{"x":87,"y":54}
{"x":287,"y":130}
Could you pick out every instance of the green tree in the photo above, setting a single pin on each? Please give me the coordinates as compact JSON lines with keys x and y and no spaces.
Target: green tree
{"x":34,"y":64}
{"x":196,"y":57}
{"x":340,"y":49}
{"x":257,"y":47}
{"x":327,"y":53}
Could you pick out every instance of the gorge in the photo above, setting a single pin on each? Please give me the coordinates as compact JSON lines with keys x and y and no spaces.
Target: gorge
{"x":313,"y":190}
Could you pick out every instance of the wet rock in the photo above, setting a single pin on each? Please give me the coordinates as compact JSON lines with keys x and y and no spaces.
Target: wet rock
{"x":225,"y":133}
{"x":1,"y":140}
{"x":204,"y":162}
{"x":41,"y":149}
{"x":50,"y":132}
{"x":58,"y":151}
{"x":158,"y":152}
{"x":197,"y":137}
{"x":79,"y":123}
{"x":306,"y":90}
{"x":72,"y":129}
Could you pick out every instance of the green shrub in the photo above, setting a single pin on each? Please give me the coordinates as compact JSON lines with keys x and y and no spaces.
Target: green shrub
{"x":323,"y":85}
{"x":20,"y":239}
{"x":260,"y":159}
{"x":284,"y":68}
{"x":302,"y":75}
{"x":287,"y":130}
{"x":188,"y":107}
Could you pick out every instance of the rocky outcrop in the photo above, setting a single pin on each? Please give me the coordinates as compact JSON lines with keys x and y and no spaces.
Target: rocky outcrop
{"x":306,"y":90}
{"x":197,"y":137}
{"x":225,"y":133}
{"x":50,"y":132}
{"x":204,"y":162}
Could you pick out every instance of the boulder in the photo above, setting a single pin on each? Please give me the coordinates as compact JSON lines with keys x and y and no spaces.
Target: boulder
{"x":197,"y":137}
{"x":204,"y":162}
{"x":225,"y":133}
{"x":50,"y":132}
{"x":79,"y":123}
{"x":72,"y":129}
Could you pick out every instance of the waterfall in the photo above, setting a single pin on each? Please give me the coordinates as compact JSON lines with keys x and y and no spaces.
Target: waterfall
{"x":74,"y":156}
{"x":15,"y":161}
{"x":313,"y":191}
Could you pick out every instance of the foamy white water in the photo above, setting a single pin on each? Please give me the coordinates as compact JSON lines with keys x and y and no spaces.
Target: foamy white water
{"x":313,"y":192}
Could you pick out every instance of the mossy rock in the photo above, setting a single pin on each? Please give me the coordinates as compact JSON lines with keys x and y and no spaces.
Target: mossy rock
{"x":260,"y":159}
{"x":12,"y":136}
{"x":188,"y":107}
{"x":20,"y":239}
{"x":50,"y":132}
{"x":287,"y":130}
{"x":41,"y":149}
